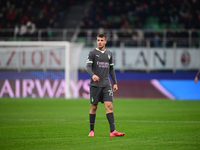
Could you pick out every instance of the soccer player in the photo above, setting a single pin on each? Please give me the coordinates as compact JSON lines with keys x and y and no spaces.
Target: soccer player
{"x":99,"y":65}
{"x":197,"y":76}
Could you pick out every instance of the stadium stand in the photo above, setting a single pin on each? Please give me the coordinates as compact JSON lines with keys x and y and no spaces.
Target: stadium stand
{"x":151,"y":16}
{"x":132,"y":22}
{"x":26,"y":17}
{"x":41,"y":13}
{"x":142,"y":14}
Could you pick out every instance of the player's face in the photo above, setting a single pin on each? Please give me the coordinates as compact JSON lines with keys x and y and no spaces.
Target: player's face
{"x":101,"y":42}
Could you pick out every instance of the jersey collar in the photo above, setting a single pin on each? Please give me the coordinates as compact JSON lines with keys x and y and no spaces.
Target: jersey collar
{"x":101,"y":50}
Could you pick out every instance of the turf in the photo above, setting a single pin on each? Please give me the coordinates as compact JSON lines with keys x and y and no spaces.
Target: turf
{"x":59,"y":124}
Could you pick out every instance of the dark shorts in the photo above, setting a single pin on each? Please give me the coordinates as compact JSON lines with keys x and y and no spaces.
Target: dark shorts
{"x":100,"y":94}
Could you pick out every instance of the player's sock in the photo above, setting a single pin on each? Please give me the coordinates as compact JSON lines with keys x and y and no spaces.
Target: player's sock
{"x":110,"y":117}
{"x":92,"y":121}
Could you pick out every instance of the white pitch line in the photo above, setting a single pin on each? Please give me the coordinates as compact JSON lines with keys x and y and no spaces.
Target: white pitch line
{"x":66,"y":120}
{"x":162,"y":121}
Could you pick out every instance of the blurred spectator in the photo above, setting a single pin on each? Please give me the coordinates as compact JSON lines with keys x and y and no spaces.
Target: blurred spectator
{"x":30,"y":12}
{"x":149,"y":36}
{"x":183,"y":35}
{"x":42,"y":22}
{"x":11,"y":16}
{"x":25,"y":30}
{"x":137,"y":37}
{"x":91,"y":24}
{"x":20,"y":15}
{"x":141,"y":14}
{"x":195,"y":8}
{"x":49,"y":5}
{"x":30,"y":29}
{"x":164,"y":16}
{"x":197,"y":23}
{"x":185,"y":5}
{"x":8,"y":34}
{"x":115,"y":38}
{"x":189,"y":22}
{"x":127,"y":32}
{"x":153,"y":8}
{"x":194,"y":38}
{"x":2,"y":17}
{"x":24,"y":4}
{"x":156,"y":39}
{"x":184,"y":14}
{"x":20,"y":30}
{"x":171,"y":37}
{"x":174,"y":16}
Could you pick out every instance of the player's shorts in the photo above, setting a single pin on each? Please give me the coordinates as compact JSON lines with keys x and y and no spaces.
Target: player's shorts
{"x":100,"y":94}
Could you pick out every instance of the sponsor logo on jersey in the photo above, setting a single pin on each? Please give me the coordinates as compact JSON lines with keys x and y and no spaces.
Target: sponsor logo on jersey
{"x":102,"y":64}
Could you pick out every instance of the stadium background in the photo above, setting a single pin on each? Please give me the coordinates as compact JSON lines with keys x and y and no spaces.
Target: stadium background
{"x":157,"y":25}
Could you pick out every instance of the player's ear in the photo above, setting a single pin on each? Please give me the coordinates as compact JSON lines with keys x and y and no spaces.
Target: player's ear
{"x":105,"y":41}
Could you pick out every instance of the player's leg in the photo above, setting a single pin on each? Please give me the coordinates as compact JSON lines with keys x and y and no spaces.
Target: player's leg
{"x":93,"y":108}
{"x":108,"y":102}
{"x":110,"y":115}
{"x":92,"y":116}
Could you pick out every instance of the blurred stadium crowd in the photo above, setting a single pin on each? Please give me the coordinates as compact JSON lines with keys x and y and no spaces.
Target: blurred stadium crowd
{"x":140,"y":14}
{"x":27,"y":16}
{"x":160,"y":21}
{"x":40,"y":13}
{"x":157,"y":20}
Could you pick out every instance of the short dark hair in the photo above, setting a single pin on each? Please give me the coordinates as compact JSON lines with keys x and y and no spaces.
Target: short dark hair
{"x":101,"y":35}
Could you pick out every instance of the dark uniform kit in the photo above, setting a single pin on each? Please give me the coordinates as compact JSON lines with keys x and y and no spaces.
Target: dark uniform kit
{"x":100,"y":63}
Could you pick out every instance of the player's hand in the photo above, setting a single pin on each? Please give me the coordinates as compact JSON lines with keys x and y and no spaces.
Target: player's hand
{"x":115,"y":87}
{"x":196,"y":79}
{"x":95,"y":78}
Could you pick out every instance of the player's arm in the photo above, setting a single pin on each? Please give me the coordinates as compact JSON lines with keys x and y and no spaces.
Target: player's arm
{"x":197,"y":76}
{"x":89,"y":68}
{"x":113,"y":76}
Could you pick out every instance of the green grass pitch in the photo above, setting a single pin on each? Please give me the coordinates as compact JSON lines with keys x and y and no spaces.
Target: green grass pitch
{"x":59,"y":124}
